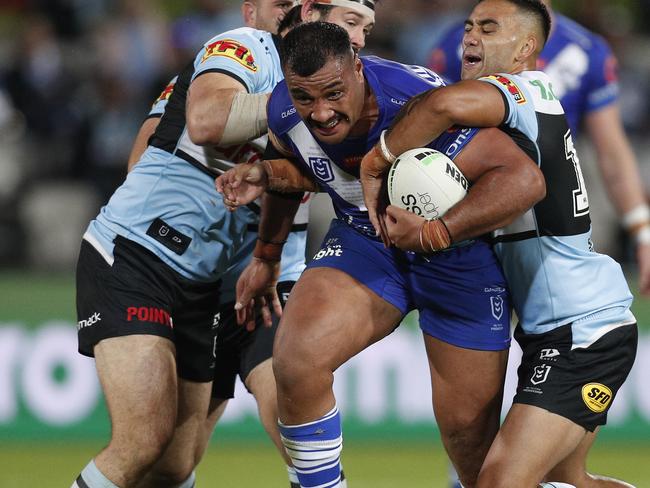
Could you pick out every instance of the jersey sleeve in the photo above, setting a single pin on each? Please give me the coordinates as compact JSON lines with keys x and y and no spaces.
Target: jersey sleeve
{"x":514,"y":96}
{"x":601,"y":81}
{"x":158,"y":107}
{"x":243,"y":54}
{"x":445,"y":58}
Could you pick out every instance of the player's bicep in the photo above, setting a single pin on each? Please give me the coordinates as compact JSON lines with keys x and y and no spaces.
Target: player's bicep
{"x":473,"y":103}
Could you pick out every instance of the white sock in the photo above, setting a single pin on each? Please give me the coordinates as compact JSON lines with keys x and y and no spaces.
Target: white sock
{"x":293,"y":477}
{"x":189,"y":482}
{"x":555,"y":484}
{"x":92,"y":477}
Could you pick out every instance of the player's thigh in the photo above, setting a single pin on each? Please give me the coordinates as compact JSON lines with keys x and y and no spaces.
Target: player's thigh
{"x":466,"y":383}
{"x":530,"y":442}
{"x":189,"y":440}
{"x":138,"y":377}
{"x":329,"y":318}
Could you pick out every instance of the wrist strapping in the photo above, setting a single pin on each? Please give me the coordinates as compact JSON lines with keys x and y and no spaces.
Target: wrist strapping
{"x":270,"y":251}
{"x":637,"y":218}
{"x":284,"y":176}
{"x":434,"y":236}
{"x":383,"y":148}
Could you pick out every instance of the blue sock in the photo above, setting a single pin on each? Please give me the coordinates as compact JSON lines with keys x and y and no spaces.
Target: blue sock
{"x":92,"y":477}
{"x":315,"y":449}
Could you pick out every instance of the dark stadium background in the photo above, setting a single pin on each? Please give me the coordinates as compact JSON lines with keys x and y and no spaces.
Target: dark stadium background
{"x":76,"y":79}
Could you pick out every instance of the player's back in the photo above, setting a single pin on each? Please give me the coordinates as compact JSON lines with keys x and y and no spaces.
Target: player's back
{"x":554,"y":274}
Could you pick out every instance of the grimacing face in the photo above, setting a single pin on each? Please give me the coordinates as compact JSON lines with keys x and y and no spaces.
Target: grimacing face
{"x":269,"y":13}
{"x":331,"y":100}
{"x":492,"y":39}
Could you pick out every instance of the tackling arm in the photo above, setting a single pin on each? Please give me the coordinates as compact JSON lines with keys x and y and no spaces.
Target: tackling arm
{"x":142,"y":140}
{"x":220,"y":112}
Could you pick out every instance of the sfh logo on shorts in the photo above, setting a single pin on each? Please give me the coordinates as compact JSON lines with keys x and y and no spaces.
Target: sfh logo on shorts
{"x":322,"y":168}
{"x":596,"y":396}
{"x":496,"y":303}
{"x":540,"y":374}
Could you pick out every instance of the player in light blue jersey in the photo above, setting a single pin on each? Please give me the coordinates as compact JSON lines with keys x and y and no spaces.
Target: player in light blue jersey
{"x":575,"y":327}
{"x":584,"y":74}
{"x":159,"y":264}
{"x":328,"y":112}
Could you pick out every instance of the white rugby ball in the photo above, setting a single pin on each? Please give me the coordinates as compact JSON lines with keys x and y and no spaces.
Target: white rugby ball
{"x":426,"y":182}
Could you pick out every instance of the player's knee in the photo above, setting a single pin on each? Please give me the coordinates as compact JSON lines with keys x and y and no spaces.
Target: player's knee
{"x":498,"y":474}
{"x":143,"y":444}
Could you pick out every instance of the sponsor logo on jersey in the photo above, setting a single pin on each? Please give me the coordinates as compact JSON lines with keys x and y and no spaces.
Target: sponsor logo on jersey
{"x":549,"y":354}
{"x":232,"y":49}
{"x":289,"y":112}
{"x":540,"y":374}
{"x":459,"y":142}
{"x":92,"y":320}
{"x":149,"y":314}
{"x":329,"y":251}
{"x":496,"y":304}
{"x":596,"y":396}
{"x":165,"y":94}
{"x":512,"y":88}
{"x":322,"y":168}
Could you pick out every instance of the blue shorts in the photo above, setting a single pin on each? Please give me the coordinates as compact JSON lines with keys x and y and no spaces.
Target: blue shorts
{"x":461,"y":293}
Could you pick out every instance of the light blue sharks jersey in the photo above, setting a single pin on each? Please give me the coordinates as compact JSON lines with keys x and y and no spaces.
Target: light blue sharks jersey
{"x":555,"y":276}
{"x":168,"y":202}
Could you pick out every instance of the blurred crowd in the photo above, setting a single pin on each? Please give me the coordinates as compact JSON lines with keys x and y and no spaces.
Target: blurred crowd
{"x":77,"y":78}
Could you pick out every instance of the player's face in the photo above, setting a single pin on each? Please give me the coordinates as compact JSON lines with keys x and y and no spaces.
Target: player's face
{"x":331,"y":100}
{"x":492,"y":39}
{"x":269,"y":13}
{"x":358,"y":25}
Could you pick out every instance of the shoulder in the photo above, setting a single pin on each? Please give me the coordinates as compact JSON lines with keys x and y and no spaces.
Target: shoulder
{"x":282,"y":114}
{"x":403,"y":78}
{"x":569,"y":31}
{"x":246,"y":46}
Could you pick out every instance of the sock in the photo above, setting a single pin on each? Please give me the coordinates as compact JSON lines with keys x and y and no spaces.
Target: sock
{"x":92,"y":477}
{"x":555,"y":484}
{"x":315,"y":449}
{"x":293,"y":477}
{"x":189,"y":482}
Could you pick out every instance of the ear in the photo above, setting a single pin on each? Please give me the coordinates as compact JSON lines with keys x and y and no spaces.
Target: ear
{"x":249,"y":14}
{"x":307,"y":12}
{"x":358,"y":68}
{"x":528,"y":48}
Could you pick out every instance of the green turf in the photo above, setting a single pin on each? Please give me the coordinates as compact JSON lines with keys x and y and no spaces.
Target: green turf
{"x":239,"y":466}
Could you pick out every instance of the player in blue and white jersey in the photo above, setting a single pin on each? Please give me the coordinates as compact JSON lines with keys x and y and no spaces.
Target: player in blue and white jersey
{"x":584,"y":74}
{"x":575,"y":327}
{"x":325,"y":116}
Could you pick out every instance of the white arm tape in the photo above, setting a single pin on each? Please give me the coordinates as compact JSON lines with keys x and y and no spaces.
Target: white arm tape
{"x":643,"y":236}
{"x":246,"y":120}
{"x":636,"y":217}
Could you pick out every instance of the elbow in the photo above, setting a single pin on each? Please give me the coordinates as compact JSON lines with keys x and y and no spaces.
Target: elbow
{"x":201,"y":133}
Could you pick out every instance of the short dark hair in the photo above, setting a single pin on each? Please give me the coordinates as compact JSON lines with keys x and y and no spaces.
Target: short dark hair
{"x":539,"y":10}
{"x":309,"y":46}
{"x":291,"y":19}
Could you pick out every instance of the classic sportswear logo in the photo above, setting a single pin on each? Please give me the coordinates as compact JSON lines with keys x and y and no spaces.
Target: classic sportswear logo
{"x":92,"y":320}
{"x":549,"y":353}
{"x":596,"y":396}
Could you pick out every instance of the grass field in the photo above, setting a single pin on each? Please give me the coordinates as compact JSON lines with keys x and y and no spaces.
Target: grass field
{"x":380,"y":464}
{"x":238,"y":466}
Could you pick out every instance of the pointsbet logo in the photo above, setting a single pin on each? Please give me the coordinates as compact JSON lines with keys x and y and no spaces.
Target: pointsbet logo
{"x":596,"y":396}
